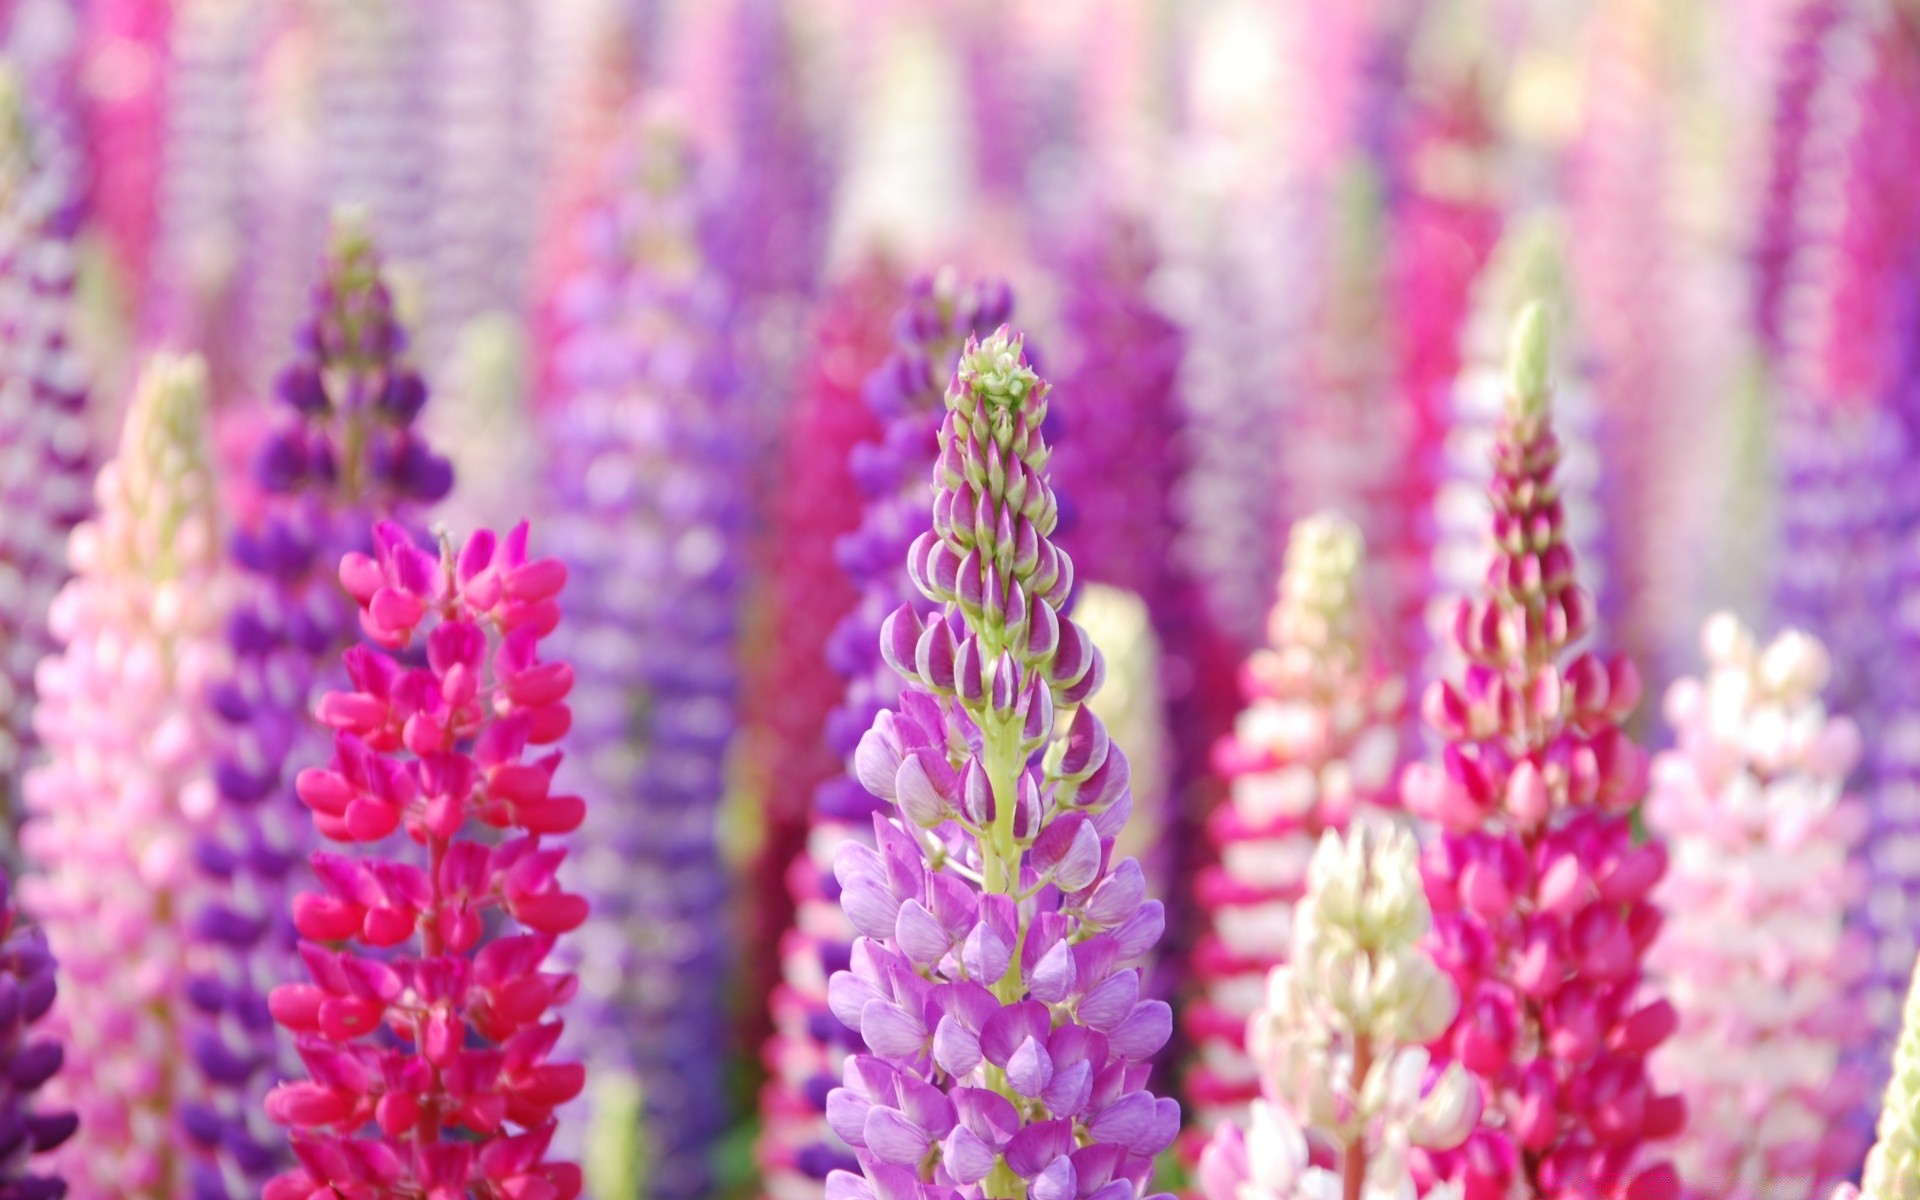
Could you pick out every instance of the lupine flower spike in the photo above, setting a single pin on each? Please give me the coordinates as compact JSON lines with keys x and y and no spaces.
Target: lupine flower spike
{"x":1539,"y":893}
{"x":129,"y":786}
{"x":1008,"y":1046}
{"x":1339,"y":1041}
{"x":1893,"y":1165}
{"x":1318,"y":741}
{"x":1765,"y":976}
{"x":808,"y":1047}
{"x":27,"y":1128}
{"x":426,"y":1038}
{"x":343,"y":455}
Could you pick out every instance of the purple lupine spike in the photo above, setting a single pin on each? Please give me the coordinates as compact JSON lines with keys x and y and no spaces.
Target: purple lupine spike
{"x":806,"y":1053}
{"x":648,"y":462}
{"x":27,"y":986}
{"x":993,"y":983}
{"x":46,"y":455}
{"x":1843,"y":371}
{"x":343,"y":455}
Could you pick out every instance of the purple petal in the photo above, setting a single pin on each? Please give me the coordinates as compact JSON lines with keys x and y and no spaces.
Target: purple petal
{"x":986,"y":955}
{"x":847,"y":1116}
{"x":1118,"y":895}
{"x":1029,"y":1151}
{"x":845,"y":1185}
{"x":966,"y":1157}
{"x":1145,"y":1030}
{"x":1070,"y":1089}
{"x":1006,"y":1029}
{"x":1166,"y":1126}
{"x":989,"y":1114}
{"x":1128,"y":1122}
{"x":1030,"y":1069}
{"x":1052,"y":978}
{"x":871,"y":907}
{"x":955,"y":1047}
{"x":892,"y":1138}
{"x":877,"y":758}
{"x":1056,"y":1182}
{"x":890,"y":1032}
{"x":848,"y":995}
{"x":1081,"y":864}
{"x":1120,"y":1189}
{"x":1141,"y":932}
{"x":1111,"y":1002}
{"x":919,"y":936}
{"x":918,"y":796}
{"x":926,"y":1106}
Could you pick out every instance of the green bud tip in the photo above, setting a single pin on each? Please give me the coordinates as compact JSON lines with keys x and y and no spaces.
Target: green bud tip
{"x":1529,"y":364}
{"x":995,"y":369}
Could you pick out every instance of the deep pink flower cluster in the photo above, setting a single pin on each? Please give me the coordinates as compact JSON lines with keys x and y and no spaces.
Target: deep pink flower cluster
{"x":458,"y":1093}
{"x":1539,"y":893}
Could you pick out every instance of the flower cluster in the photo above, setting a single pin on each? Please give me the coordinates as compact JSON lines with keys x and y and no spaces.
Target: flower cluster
{"x":129,"y":785}
{"x":1007,"y":1043}
{"x":808,"y":1048}
{"x":428,"y":1069}
{"x":1893,"y":1165}
{"x":647,"y":470}
{"x":1755,"y":954}
{"x":1318,"y":741}
{"x":45,"y":449}
{"x":1339,"y":1044}
{"x":343,"y":455}
{"x":1540,"y":894}
{"x":27,"y":987}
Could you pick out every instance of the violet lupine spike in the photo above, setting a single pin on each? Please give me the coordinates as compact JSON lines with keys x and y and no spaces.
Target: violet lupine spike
{"x":343,"y":454}
{"x":1318,"y":743}
{"x":1751,"y":806}
{"x":46,"y":459}
{"x":127,"y":787}
{"x":28,"y":983}
{"x":1539,"y":893}
{"x":1008,"y":1047}
{"x":649,"y":464}
{"x":809,"y":1046}
{"x":429,"y":1023}
{"x":1848,"y":511}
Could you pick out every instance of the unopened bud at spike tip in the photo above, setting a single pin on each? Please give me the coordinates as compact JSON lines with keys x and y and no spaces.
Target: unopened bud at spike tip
{"x":1529,"y":364}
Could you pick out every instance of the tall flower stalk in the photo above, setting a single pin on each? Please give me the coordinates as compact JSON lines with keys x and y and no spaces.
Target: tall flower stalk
{"x":648,"y":467}
{"x":1007,"y":1044}
{"x":1339,"y":1039}
{"x":1317,"y":743}
{"x":809,"y":1047}
{"x":1763,"y":973}
{"x":1893,"y":1165}
{"x":129,"y":786}
{"x":46,"y":460}
{"x":1540,"y":894}
{"x":343,"y":455}
{"x":428,"y":1023}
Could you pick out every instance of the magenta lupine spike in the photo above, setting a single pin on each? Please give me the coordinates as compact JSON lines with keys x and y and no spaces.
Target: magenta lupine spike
{"x":809,"y":1046}
{"x":46,"y":459}
{"x":1007,"y":1043}
{"x":1540,"y":896}
{"x":342,"y":454}
{"x":1755,"y":952}
{"x":127,"y":787}
{"x":428,"y":1023}
{"x":1317,"y":743}
{"x":27,"y":990}
{"x":127,"y":40}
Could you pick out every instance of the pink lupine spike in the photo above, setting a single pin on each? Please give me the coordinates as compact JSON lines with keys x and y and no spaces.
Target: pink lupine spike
{"x":403,"y":1117}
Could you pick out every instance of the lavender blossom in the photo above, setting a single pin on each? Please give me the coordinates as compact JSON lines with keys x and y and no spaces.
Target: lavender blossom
{"x":343,"y":456}
{"x":648,"y":470}
{"x":27,"y":986}
{"x":1008,"y":1044}
{"x":45,"y":452}
{"x":809,"y":1047}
